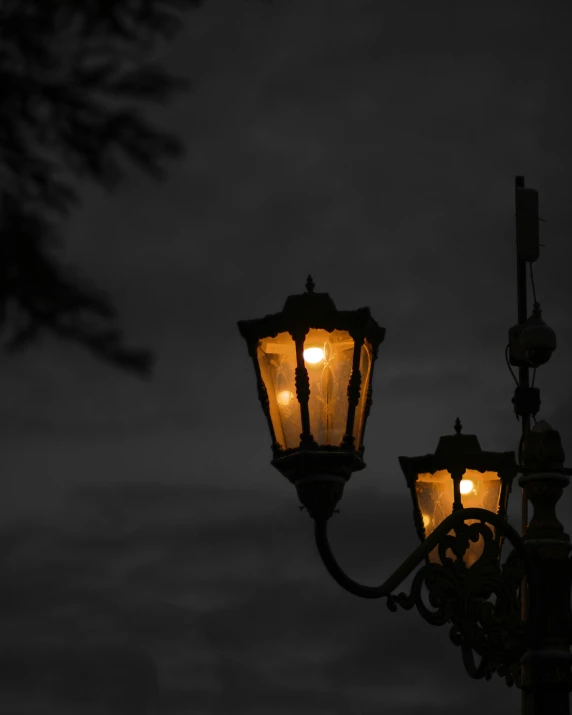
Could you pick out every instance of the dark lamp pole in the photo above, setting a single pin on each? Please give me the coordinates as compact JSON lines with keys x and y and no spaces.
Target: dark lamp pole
{"x":314,"y":367}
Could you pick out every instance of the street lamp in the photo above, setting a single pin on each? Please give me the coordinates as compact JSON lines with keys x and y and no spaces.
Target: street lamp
{"x":458,"y":475}
{"x":314,"y":366}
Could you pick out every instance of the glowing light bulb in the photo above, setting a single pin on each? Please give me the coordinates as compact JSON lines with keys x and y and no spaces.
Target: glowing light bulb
{"x":466,"y":486}
{"x":313,"y":355}
{"x":426,"y":520}
{"x":284,"y":397}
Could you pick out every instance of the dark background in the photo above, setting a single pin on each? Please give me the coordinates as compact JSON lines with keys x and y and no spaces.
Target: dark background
{"x":152,"y":556}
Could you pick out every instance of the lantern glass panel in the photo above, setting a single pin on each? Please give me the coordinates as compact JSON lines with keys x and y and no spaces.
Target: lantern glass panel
{"x":365,"y":371}
{"x":277,"y":361}
{"x":435,"y":499}
{"x":328,"y":359}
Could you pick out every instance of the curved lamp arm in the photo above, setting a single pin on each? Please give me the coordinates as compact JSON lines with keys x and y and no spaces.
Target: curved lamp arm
{"x":417,"y":556}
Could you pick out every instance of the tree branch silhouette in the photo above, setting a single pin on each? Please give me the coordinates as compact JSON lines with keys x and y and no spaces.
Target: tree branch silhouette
{"x":73,"y":77}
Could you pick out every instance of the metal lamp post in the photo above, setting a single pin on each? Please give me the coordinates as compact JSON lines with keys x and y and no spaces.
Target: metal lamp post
{"x":314,"y":367}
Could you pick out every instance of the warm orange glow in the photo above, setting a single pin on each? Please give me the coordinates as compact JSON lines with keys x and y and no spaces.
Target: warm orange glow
{"x":328,"y":358}
{"x":277,"y":361}
{"x":435,"y":494}
{"x":466,"y":486}
{"x":313,"y":355}
{"x":284,"y":397}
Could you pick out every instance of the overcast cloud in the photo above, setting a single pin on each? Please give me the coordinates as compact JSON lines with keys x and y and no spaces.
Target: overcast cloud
{"x":152,"y":557}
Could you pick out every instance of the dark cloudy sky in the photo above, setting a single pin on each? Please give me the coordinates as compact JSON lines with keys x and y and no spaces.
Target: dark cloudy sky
{"x":145,"y":535}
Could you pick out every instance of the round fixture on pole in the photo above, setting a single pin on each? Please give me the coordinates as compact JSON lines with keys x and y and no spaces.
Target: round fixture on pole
{"x":537,"y":340}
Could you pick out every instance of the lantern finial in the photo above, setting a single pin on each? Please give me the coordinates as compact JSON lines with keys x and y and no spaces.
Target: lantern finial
{"x":310,"y":285}
{"x":458,"y":426}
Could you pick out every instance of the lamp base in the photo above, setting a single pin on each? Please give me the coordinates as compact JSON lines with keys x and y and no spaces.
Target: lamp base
{"x":319,"y":475}
{"x":320,"y":494}
{"x":297,"y":464}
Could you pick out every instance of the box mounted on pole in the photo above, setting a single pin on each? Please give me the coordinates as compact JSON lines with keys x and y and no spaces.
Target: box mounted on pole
{"x":527,"y":236}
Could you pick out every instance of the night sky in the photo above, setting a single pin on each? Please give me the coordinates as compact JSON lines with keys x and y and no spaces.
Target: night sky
{"x":151,"y":554}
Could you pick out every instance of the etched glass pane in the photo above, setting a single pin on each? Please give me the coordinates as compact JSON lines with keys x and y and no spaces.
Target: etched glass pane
{"x":328,"y":359}
{"x":365,"y":372}
{"x":277,"y":360}
{"x":435,"y":498}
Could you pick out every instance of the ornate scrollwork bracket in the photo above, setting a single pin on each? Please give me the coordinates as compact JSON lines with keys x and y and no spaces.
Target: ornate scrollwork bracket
{"x":481,"y":602}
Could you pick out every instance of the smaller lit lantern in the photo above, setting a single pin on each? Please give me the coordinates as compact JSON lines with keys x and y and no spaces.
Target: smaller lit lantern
{"x":459,"y":475}
{"x":314,"y":367}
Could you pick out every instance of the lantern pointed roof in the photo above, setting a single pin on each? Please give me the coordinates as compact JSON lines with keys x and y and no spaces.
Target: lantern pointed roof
{"x":457,"y":445}
{"x":308,"y":304}
{"x":313,"y":310}
{"x":458,"y":451}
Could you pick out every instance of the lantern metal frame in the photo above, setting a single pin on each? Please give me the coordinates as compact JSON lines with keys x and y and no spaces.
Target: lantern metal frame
{"x":318,"y":471}
{"x":457,"y":454}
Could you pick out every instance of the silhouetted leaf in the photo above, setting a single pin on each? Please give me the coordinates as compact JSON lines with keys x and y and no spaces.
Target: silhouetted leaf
{"x":69,"y":73}
{"x":148,"y":83}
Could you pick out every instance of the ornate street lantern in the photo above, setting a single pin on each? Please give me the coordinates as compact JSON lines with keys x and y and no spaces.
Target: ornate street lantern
{"x":314,"y":368}
{"x":459,"y":475}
